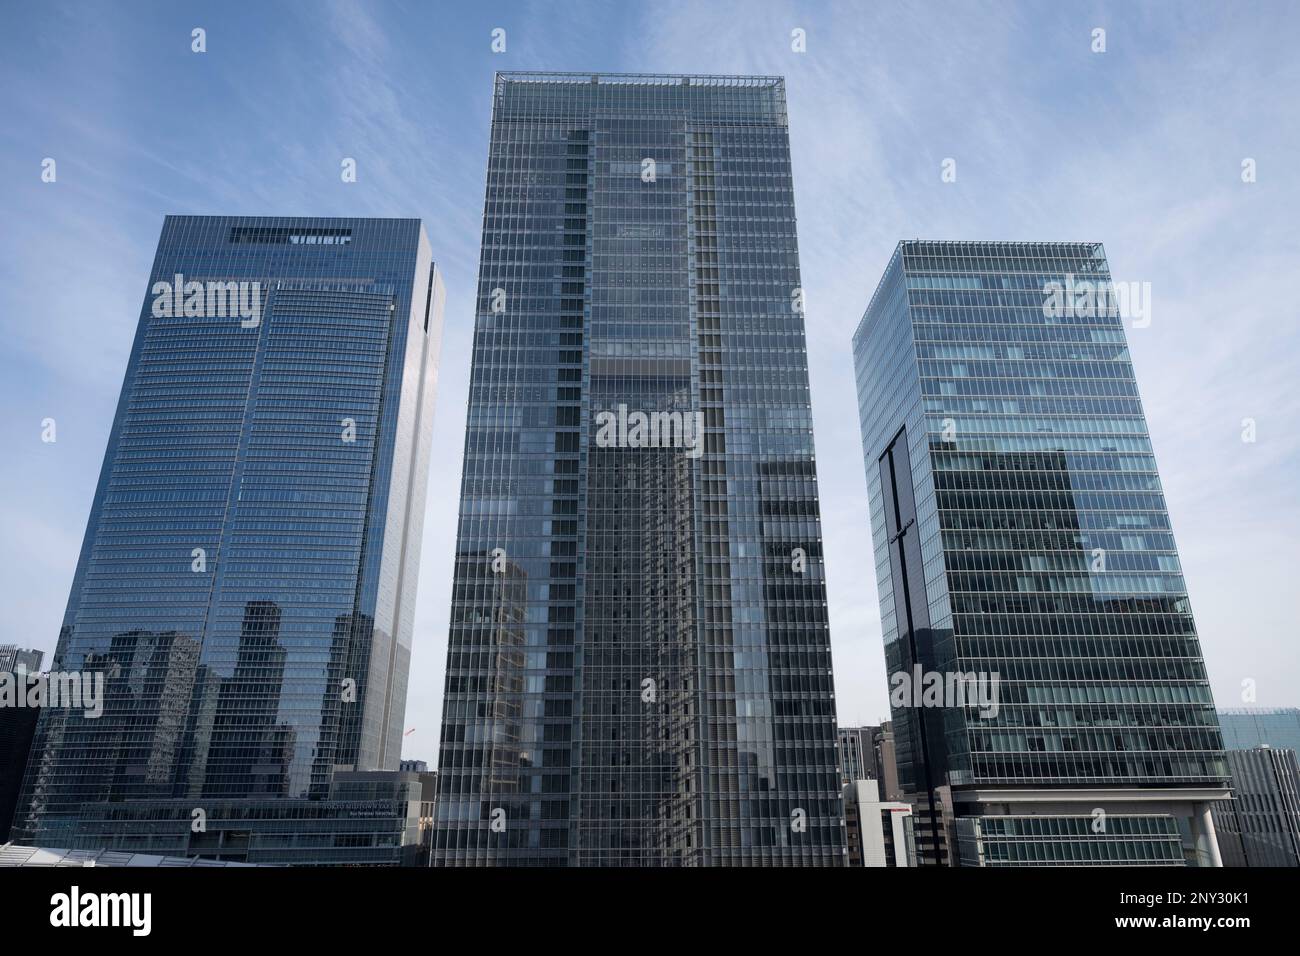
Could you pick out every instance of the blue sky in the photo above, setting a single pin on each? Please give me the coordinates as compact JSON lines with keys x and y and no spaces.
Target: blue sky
{"x":1139,"y":147}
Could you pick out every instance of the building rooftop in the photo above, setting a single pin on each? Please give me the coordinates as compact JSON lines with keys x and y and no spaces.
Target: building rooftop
{"x":12,"y":855}
{"x":639,"y":79}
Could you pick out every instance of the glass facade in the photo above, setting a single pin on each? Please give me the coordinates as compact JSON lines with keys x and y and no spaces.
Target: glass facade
{"x":247,"y":582}
{"x":1244,"y":728}
{"x":639,"y":667}
{"x":368,"y":818}
{"x":1070,"y":841}
{"x":858,"y":754}
{"x":1020,"y":531}
{"x":1260,"y":825}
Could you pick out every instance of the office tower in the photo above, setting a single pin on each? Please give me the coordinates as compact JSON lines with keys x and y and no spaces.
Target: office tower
{"x":14,"y":658}
{"x":1248,"y":727}
{"x":17,"y":725}
{"x":246,"y":585}
{"x":639,"y":669}
{"x":857,"y":754}
{"x":867,"y":753}
{"x":428,"y":800}
{"x":1050,"y":702}
{"x":1260,"y":825}
{"x":887,"y":762}
{"x":877,"y":832}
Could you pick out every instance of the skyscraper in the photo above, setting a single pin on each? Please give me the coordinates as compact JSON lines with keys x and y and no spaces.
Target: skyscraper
{"x":639,"y":668}
{"x":246,"y":585}
{"x":1049,"y":696}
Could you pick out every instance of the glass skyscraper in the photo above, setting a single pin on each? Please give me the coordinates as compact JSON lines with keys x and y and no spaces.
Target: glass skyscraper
{"x":639,"y":668}
{"x":247,"y":582}
{"x":1023,"y":546}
